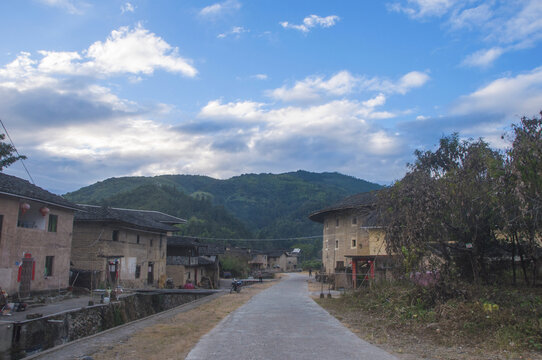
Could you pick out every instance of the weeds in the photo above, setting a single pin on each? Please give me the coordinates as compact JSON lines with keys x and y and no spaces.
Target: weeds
{"x":488,"y":318}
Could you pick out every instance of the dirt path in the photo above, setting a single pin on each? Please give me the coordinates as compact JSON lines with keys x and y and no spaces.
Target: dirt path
{"x":168,"y":335}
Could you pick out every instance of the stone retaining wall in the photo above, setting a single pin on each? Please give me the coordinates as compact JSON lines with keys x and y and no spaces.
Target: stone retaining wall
{"x":36,"y":335}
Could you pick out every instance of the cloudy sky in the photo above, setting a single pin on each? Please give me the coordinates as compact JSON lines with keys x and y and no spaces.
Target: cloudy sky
{"x":91,"y":90}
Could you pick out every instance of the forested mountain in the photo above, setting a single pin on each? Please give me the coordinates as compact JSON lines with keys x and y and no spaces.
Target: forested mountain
{"x":252,"y":205}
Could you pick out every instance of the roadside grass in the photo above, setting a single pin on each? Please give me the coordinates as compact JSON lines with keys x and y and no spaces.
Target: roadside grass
{"x":175,"y":338}
{"x":477,"y":322}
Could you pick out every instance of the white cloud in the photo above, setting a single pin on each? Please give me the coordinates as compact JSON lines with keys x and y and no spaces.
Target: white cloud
{"x":127,"y":7}
{"x":407,"y":82}
{"x":379,"y":100}
{"x":136,"y":51}
{"x":502,"y":26}
{"x":126,"y":51}
{"x":235,"y":31}
{"x":245,"y":110}
{"x":220,"y":8}
{"x":313,"y":87}
{"x":507,"y":96}
{"x":71,"y":6}
{"x":483,"y":58}
{"x":312,"y":21}
{"x":422,"y":8}
{"x":260,"y":76}
{"x":470,"y":18}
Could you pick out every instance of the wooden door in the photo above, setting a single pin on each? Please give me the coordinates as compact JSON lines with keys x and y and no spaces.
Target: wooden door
{"x":26,"y":275}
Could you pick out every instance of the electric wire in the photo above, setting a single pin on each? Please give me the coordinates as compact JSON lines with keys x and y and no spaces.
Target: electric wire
{"x":313,"y":237}
{"x":17,"y":152}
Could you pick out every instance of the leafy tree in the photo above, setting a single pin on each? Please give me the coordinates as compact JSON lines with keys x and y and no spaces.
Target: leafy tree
{"x":521,"y":187}
{"x":446,"y":206}
{"x":8,"y":154}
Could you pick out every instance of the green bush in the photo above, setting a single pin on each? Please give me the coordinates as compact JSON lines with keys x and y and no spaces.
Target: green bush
{"x":238,"y":267}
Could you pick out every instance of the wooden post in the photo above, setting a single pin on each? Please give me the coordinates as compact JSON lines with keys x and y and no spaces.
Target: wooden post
{"x":354,"y":274}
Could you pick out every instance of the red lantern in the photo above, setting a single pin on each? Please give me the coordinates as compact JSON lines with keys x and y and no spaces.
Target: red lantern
{"x":25,"y":207}
{"x":44,"y":211}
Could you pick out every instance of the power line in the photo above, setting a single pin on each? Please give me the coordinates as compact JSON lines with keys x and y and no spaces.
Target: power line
{"x":20,"y":157}
{"x":255,"y":240}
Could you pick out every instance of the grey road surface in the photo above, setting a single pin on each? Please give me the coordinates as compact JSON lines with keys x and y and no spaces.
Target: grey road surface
{"x":283,"y":322}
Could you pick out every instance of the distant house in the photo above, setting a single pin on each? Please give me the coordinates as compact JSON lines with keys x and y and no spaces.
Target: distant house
{"x":258,"y":261}
{"x":35,"y":237}
{"x":282,"y":260}
{"x":353,"y":241}
{"x":121,"y":246}
{"x":191,"y":260}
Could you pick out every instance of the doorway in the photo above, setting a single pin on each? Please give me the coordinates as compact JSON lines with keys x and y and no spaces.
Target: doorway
{"x":26,"y":275}
{"x":150,"y":273}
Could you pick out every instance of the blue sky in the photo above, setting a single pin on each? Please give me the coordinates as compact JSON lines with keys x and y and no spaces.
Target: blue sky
{"x":91,"y":90}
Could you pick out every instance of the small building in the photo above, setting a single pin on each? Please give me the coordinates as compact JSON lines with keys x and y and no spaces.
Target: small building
{"x":189,"y":260}
{"x":35,"y":238}
{"x":353,"y":247}
{"x":282,"y":260}
{"x":121,"y":246}
{"x":259,"y":261}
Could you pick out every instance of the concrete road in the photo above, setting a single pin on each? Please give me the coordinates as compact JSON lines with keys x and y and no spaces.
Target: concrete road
{"x":283,"y":322}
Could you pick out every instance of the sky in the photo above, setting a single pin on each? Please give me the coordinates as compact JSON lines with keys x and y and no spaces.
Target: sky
{"x":96,"y":89}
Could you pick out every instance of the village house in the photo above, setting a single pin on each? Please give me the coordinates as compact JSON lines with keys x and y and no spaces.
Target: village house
{"x":121,"y":246}
{"x":282,"y":260}
{"x":35,"y":238}
{"x":353,"y":247}
{"x":188,"y":260}
{"x":259,"y":261}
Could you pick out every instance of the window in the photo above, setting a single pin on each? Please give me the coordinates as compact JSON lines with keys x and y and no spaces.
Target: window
{"x":48,"y":266}
{"x":336,"y":244}
{"x":1,"y":222}
{"x":354,"y":220}
{"x":137,"y":239}
{"x":53,"y":222}
{"x":138,"y":269}
{"x":353,"y":243}
{"x":160,"y":242}
{"x":151,"y":242}
{"x":115,"y":235}
{"x":337,"y":222}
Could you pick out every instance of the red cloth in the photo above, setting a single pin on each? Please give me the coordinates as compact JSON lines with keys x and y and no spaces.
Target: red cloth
{"x":188,"y":286}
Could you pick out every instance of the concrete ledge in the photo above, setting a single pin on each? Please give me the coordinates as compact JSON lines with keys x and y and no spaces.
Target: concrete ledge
{"x":85,"y":346}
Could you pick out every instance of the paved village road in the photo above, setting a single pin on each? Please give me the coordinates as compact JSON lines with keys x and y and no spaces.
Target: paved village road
{"x":283,"y":322}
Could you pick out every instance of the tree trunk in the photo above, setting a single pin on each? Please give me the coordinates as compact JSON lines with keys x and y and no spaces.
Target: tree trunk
{"x":513,"y":260}
{"x":535,"y":271}
{"x":523,"y":265}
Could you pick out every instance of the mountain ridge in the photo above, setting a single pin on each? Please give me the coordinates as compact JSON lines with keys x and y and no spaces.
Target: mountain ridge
{"x":265,"y":205}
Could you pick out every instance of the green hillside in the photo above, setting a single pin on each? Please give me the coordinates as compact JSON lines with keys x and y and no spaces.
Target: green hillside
{"x":259,"y":205}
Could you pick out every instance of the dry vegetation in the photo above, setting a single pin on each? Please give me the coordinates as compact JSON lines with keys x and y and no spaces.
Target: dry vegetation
{"x":174,"y":339}
{"x":487,"y":324}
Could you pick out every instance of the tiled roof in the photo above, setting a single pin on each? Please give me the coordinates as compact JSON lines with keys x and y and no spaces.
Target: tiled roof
{"x":183,"y":241}
{"x":205,"y":248}
{"x":357,"y":201}
{"x":202,"y":260}
{"x":14,"y":186}
{"x":158,"y":216}
{"x":134,"y":218}
{"x":212,"y":249}
{"x":275,"y":253}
